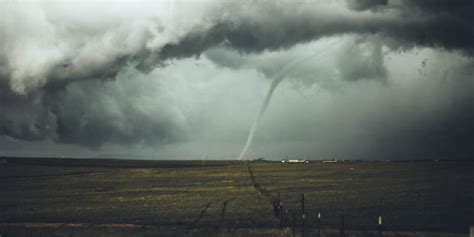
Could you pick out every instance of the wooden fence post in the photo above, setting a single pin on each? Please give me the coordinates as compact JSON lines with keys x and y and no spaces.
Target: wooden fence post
{"x":380,"y":225}
{"x":281,"y":216}
{"x":303,"y":219}
{"x":380,"y":220}
{"x":319,"y":224}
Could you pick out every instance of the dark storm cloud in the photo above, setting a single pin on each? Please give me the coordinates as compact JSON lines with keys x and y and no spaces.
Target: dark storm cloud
{"x":361,"y":5}
{"x":102,"y":113}
{"x":25,"y":117}
{"x":254,"y":27}
{"x":89,"y":113}
{"x":38,"y":51}
{"x":357,"y":58}
{"x":435,"y":125}
{"x":462,"y":7}
{"x":51,"y":66}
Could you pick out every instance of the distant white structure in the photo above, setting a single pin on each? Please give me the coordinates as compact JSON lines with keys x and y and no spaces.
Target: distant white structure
{"x":330,"y":161}
{"x":304,"y":161}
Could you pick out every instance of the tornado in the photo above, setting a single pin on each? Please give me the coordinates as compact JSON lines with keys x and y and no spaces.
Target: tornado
{"x":278,"y":78}
{"x":268,"y":97}
{"x":255,"y":123}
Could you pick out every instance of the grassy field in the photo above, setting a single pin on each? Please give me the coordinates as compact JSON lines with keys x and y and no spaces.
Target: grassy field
{"x":189,"y":195}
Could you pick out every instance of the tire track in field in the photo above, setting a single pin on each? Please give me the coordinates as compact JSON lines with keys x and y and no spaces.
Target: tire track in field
{"x":201,"y":215}
{"x":259,"y":188}
{"x":220,"y":224}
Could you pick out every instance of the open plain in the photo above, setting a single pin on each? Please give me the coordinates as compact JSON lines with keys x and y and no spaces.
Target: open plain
{"x":202,"y":197}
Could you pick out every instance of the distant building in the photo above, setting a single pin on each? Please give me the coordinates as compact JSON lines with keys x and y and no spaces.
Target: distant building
{"x":330,"y":161}
{"x":304,"y":161}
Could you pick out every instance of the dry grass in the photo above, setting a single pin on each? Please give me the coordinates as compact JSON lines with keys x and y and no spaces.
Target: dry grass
{"x":417,"y":196}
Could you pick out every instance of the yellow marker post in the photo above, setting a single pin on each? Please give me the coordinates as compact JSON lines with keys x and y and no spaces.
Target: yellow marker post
{"x":380,"y":222}
{"x":319,"y":224}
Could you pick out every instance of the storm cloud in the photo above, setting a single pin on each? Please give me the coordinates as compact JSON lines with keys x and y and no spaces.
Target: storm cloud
{"x":53,"y":43}
{"x":139,"y":73}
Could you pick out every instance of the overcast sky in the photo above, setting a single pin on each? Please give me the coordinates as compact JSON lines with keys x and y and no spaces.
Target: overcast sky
{"x":361,"y":79}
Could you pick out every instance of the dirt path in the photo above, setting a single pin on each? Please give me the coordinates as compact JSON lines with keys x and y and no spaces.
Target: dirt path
{"x":259,"y":188}
{"x":199,"y":218}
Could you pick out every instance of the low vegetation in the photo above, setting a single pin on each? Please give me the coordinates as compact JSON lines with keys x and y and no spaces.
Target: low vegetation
{"x":190,"y":195}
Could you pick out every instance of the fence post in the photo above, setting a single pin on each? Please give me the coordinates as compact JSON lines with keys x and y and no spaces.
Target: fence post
{"x":380,"y":222}
{"x":303,"y":219}
{"x":319,"y":224}
{"x":281,"y":216}
{"x":341,"y":232}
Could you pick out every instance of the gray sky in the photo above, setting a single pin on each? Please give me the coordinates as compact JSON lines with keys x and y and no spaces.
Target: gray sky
{"x":185,"y":79}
